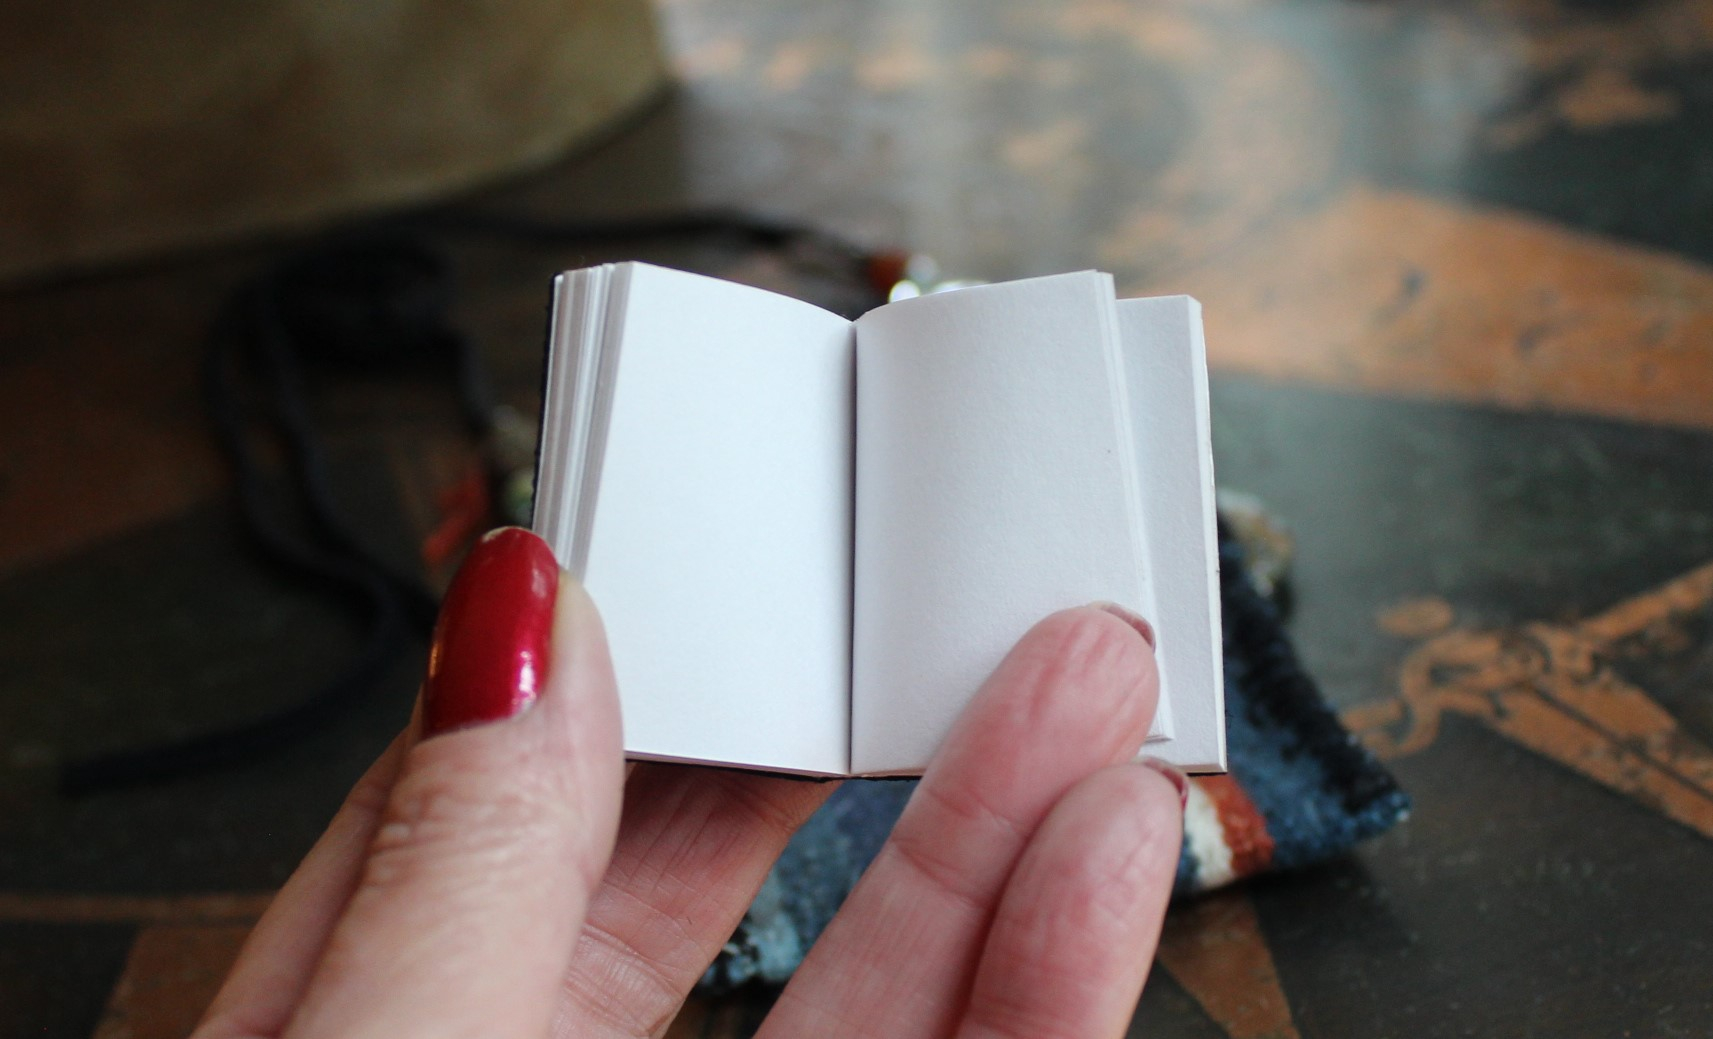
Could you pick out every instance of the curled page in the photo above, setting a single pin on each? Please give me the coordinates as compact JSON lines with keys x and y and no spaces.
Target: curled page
{"x":995,"y":484}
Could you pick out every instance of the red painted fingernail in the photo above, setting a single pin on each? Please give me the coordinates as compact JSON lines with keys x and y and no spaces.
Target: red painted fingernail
{"x":1142,"y":627}
{"x":1176,"y":775}
{"x":492,"y":642}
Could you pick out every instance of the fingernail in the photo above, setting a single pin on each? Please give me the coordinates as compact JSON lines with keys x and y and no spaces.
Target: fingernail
{"x":491,"y":645}
{"x":1176,"y":775}
{"x":1142,"y":627}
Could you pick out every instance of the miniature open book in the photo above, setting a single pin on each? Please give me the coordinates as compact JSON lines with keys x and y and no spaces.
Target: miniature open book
{"x":812,"y":539}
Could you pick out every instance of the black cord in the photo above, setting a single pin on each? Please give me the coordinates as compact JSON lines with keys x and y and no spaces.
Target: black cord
{"x":377,"y":300}
{"x":358,"y":302}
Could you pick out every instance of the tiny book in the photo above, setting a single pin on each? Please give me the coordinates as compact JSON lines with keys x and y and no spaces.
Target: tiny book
{"x":812,"y":539}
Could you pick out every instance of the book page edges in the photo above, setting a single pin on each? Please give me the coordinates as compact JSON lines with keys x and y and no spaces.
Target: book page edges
{"x":585,"y":330}
{"x":549,"y":516}
{"x":720,"y":552}
{"x":1166,"y":361}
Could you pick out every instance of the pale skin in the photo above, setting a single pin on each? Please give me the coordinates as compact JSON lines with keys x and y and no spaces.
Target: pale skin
{"x":516,"y":879}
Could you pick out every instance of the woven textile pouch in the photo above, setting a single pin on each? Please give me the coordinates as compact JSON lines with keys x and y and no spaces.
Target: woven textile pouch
{"x":1300,"y":790}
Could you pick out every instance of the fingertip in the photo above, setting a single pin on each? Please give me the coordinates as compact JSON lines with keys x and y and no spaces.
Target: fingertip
{"x":1132,"y":618}
{"x":574,"y":600}
{"x":1102,"y":655}
{"x":581,"y":686}
{"x":1179,"y":780}
{"x":1137,"y":794}
{"x":1095,"y":637}
{"x":478,"y":876}
{"x":1077,"y":692}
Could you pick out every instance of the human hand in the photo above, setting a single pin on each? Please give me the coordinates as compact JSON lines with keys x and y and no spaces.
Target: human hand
{"x":482,"y":880}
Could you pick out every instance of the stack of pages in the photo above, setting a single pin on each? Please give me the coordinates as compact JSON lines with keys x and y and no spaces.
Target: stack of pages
{"x":812,"y":539}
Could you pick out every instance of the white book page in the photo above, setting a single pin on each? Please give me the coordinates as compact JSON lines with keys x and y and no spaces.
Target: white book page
{"x":1166,"y":367}
{"x":720,"y":549}
{"x":991,"y":490}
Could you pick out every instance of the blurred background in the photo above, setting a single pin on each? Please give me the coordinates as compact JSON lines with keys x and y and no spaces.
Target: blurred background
{"x":1456,"y":260}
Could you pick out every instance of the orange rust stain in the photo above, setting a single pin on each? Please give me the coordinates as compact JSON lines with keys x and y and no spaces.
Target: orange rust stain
{"x":1397,"y":293}
{"x":1148,"y":27}
{"x":170,"y":977}
{"x":1266,"y":132}
{"x":1551,"y":688}
{"x":1214,"y":947}
{"x":89,"y":470}
{"x":1375,"y":716}
{"x":1609,"y":97}
{"x":1587,"y":73}
{"x":1600,"y":98}
{"x":1682,"y":595}
{"x":712,"y":58}
{"x":1517,"y":130}
{"x":1055,"y":73}
{"x":792,"y":64}
{"x":1046,"y":148}
{"x":991,"y":61}
{"x":1416,"y":618}
{"x":896,"y":68}
{"x":1675,"y":785}
{"x":86,"y":451}
{"x":50,"y":907}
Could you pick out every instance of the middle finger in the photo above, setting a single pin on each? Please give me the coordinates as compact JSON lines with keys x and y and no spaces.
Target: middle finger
{"x":1075,"y":695}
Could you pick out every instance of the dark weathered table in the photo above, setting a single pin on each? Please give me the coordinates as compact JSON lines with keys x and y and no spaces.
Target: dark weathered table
{"x":1457,"y":261}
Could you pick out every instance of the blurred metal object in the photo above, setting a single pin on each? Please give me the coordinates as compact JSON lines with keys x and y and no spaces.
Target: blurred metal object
{"x":920,"y":275}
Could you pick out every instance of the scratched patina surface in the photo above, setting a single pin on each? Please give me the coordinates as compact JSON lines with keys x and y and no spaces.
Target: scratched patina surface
{"x":1457,"y":260}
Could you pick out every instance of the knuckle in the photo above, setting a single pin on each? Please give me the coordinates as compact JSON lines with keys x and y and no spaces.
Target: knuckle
{"x":631,"y":992}
{"x":774,"y":809}
{"x":964,"y":810}
{"x":944,"y":871}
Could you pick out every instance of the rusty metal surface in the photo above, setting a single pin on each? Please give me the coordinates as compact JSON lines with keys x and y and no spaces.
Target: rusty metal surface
{"x":1458,"y":271}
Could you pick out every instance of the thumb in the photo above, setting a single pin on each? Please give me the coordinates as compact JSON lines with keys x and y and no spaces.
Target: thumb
{"x":500,"y":823}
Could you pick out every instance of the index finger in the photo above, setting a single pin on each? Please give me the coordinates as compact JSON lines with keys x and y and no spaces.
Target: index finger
{"x":478,"y":877}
